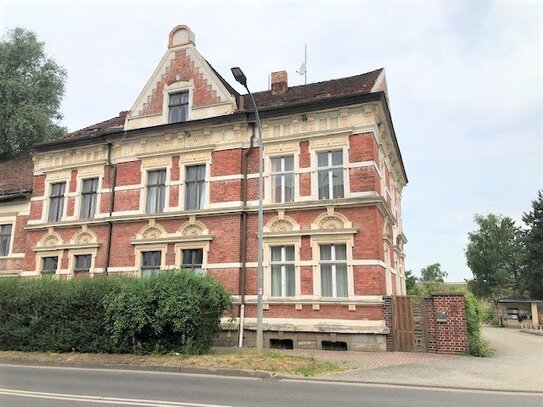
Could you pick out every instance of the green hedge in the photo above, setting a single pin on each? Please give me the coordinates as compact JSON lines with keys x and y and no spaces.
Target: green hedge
{"x":478,"y":346}
{"x":174,"y":311}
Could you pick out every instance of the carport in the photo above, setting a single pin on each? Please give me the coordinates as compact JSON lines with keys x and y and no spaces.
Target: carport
{"x":516,"y":309}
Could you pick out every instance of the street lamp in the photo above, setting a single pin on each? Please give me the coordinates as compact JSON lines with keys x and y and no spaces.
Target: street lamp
{"x":240,"y":77}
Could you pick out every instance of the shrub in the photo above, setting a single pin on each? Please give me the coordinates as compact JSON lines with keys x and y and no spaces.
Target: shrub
{"x":478,"y":346}
{"x":173,"y":311}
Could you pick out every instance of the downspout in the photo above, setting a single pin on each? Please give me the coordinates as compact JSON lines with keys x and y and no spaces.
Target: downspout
{"x":243,"y":243}
{"x":113,"y":183}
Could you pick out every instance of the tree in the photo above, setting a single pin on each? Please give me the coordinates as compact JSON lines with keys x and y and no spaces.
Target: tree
{"x":532,"y":275}
{"x":433,"y":273}
{"x":494,"y":255}
{"x":411,"y":283}
{"x":31,"y":89}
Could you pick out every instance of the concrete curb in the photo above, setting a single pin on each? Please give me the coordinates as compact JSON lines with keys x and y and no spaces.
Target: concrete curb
{"x":407,"y":385}
{"x":258,"y":374}
{"x":255,"y":374}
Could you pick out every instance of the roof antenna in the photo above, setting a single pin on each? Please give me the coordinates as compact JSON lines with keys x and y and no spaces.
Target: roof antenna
{"x":303,"y":67}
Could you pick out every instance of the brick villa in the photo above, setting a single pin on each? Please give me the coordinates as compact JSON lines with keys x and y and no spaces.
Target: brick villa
{"x":173,"y":183}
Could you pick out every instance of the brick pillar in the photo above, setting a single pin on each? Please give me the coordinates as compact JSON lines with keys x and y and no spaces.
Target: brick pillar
{"x":446,"y":321}
{"x":388,"y":315}
{"x":430,"y":325}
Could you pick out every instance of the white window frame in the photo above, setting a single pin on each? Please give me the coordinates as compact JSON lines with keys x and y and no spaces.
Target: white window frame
{"x":11,"y":222}
{"x":333,"y":262}
{"x":45,"y":213}
{"x":316,"y":242}
{"x":79,"y":192}
{"x":283,"y":263}
{"x":315,"y":171}
{"x":176,"y":87}
{"x":202,"y":244}
{"x":183,"y":186}
{"x":273,"y":173}
{"x":143,"y":196}
{"x":282,"y":241}
{"x":52,"y":253}
{"x":140,"y":249}
{"x":80,"y":252}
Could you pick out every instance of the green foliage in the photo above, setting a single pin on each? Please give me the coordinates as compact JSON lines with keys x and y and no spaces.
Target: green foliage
{"x":474,"y":313}
{"x":495,"y":254}
{"x":532,"y":277}
{"x":433,"y":273}
{"x":175,"y":311}
{"x":411,"y":283}
{"x":31,"y":90}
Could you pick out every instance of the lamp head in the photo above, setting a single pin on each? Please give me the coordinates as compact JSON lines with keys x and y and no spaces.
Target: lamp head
{"x":239,"y":76}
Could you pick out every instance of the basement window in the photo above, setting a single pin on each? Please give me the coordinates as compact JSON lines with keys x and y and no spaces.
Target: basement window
{"x":329,"y":345}
{"x":281,"y":344}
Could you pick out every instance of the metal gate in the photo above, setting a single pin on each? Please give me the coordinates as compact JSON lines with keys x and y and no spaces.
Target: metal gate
{"x":409,"y":324}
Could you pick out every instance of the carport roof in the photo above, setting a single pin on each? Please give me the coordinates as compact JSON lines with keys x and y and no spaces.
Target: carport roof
{"x":516,"y":298}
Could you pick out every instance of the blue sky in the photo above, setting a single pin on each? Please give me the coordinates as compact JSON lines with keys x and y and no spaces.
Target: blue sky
{"x":464,"y":80}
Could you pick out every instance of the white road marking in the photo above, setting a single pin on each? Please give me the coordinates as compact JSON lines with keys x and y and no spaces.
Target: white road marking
{"x":102,"y":399}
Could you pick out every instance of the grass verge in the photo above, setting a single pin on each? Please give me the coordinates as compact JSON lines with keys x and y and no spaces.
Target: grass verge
{"x":271,"y":361}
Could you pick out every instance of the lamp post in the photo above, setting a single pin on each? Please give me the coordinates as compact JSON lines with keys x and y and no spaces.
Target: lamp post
{"x":240,"y":77}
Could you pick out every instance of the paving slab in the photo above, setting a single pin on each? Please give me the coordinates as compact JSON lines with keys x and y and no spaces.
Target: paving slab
{"x":516,"y":365}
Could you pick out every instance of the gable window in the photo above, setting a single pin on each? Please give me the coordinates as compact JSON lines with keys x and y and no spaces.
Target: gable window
{"x":82,"y":263}
{"x":150,"y":263}
{"x":282,"y":271}
{"x":156,"y":191}
{"x":282,"y":179}
{"x":5,"y":239}
{"x":56,"y":201}
{"x":178,"y":107}
{"x":49,"y":265}
{"x":89,"y":192}
{"x":330,"y":174}
{"x":195,"y":187}
{"x":333,"y":266}
{"x":192,"y":260}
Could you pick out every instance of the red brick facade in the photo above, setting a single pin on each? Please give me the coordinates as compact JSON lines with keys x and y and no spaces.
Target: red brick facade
{"x":363,"y":218}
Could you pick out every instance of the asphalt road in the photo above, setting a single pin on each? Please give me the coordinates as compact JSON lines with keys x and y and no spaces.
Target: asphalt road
{"x":32,"y":386}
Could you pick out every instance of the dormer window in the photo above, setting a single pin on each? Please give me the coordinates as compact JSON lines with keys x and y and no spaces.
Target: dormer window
{"x":179,"y":107}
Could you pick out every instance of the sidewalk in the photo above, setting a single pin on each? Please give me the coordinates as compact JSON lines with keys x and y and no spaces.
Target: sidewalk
{"x":517,"y":365}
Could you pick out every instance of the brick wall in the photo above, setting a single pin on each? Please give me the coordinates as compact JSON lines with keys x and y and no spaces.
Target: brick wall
{"x":450,"y":336}
{"x":388,"y":315}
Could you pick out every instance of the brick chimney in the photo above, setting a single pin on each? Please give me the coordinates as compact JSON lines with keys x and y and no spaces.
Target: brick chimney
{"x":279,"y":82}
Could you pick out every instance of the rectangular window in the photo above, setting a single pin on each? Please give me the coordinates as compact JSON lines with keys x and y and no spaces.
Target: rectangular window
{"x":179,"y":107}
{"x":156,"y":191}
{"x":282,"y":271}
{"x":195,"y":187}
{"x":49,"y":265}
{"x":82,"y":263}
{"x":333,"y":265}
{"x":193,"y":259}
{"x":282,"y":173}
{"x":56,"y":201}
{"x":330,"y":174}
{"x":150,"y":263}
{"x":5,"y":239}
{"x":89,"y":192}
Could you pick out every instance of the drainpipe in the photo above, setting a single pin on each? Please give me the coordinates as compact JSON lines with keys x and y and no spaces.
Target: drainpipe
{"x":113,"y":183}
{"x":243,"y":243}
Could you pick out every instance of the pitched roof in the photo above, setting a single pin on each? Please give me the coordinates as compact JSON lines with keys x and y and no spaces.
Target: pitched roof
{"x":352,"y":85}
{"x":98,"y":128}
{"x":16,"y":175}
{"x":295,"y":95}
